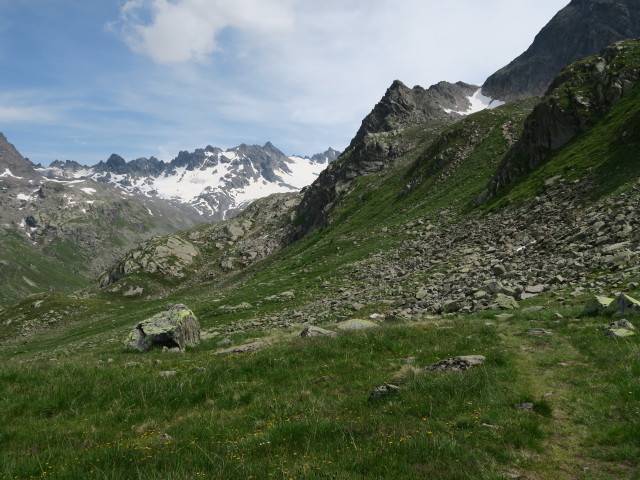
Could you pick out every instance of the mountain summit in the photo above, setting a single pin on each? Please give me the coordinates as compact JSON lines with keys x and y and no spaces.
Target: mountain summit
{"x":581,"y":29}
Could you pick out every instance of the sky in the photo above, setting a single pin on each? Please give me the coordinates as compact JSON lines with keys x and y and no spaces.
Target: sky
{"x":82,"y":79}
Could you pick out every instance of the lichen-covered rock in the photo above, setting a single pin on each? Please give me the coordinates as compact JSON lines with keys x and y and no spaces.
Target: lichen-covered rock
{"x":624,"y":323}
{"x":619,"y":333}
{"x":383,"y":391}
{"x":357,"y":324}
{"x":457,"y":364}
{"x":622,"y":305}
{"x":312,"y":331}
{"x":596,"y":305}
{"x":504,"y":302}
{"x":176,"y":327}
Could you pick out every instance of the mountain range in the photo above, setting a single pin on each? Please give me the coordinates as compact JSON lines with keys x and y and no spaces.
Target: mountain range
{"x":62,"y":225}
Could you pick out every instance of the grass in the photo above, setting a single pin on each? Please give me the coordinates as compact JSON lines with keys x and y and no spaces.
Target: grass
{"x":301,"y":408}
{"x":25,"y":270}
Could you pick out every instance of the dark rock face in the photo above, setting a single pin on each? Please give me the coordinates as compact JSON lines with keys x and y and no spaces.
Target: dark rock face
{"x":402,"y":107}
{"x":328,"y":156}
{"x":581,"y":29}
{"x":581,"y":95}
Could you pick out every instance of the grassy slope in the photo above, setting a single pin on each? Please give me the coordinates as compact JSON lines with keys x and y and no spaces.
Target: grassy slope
{"x":26,"y":270}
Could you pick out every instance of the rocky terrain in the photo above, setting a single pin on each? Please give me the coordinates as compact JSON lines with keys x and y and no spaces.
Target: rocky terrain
{"x":63,"y":225}
{"x":578,"y":98}
{"x":563,"y":236}
{"x":579,"y":30}
{"x":205,"y":253}
{"x":60,"y":232}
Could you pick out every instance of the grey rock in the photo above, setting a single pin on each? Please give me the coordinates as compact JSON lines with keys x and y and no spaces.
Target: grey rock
{"x":177,"y":327}
{"x":619,"y":333}
{"x":504,"y":302}
{"x":248,"y":347}
{"x":457,"y":364}
{"x":539,"y":332}
{"x":383,"y":391}
{"x":312,"y":331}
{"x":357,"y":324}
{"x":498,"y":269}
{"x":534,"y":289}
{"x":624,"y":323}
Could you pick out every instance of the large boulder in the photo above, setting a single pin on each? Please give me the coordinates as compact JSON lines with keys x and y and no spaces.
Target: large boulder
{"x":622,"y":305}
{"x":176,"y":327}
{"x":596,"y":305}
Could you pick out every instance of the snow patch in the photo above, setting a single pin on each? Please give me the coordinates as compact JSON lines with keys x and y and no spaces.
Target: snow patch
{"x":22,"y":196}
{"x":7,"y":173}
{"x":478,"y":102}
{"x":88,"y":190}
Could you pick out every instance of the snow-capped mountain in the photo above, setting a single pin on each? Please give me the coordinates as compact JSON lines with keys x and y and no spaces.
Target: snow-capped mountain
{"x":216,"y":183}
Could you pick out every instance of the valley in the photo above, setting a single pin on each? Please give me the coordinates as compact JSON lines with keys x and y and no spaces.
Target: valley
{"x":330,"y":315}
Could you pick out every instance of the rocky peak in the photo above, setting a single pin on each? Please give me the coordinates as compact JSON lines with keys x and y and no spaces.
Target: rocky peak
{"x":328,"y":156}
{"x":14,"y":168}
{"x":373,"y":148}
{"x":114,"y":164}
{"x":401,"y":107}
{"x":581,"y":29}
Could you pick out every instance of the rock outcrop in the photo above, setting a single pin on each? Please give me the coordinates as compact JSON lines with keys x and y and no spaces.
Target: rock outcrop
{"x":580,"y":96}
{"x":14,"y":168}
{"x":177,"y":327}
{"x":579,"y":30}
{"x":167,"y":255}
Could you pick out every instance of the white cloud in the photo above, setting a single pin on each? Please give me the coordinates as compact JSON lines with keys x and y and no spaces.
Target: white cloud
{"x":304,"y":73}
{"x":186,"y":30}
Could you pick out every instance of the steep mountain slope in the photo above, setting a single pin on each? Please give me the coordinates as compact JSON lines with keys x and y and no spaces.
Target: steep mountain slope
{"x":217,"y":184}
{"x":407,"y":237}
{"x":578,"y":99}
{"x":386,"y":134}
{"x":579,"y":30}
{"x":14,"y":169}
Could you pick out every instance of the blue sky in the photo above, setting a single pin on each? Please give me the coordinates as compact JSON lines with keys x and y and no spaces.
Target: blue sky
{"x":81,"y":79}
